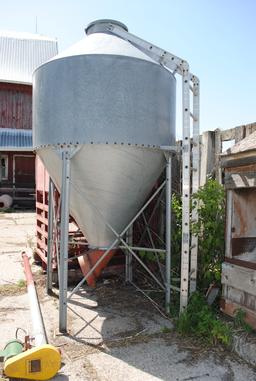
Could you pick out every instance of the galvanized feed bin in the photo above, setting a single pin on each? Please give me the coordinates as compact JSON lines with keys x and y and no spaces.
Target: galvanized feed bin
{"x":113,"y":102}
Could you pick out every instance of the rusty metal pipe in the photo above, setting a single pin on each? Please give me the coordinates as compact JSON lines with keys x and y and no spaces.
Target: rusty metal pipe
{"x":38,"y":329}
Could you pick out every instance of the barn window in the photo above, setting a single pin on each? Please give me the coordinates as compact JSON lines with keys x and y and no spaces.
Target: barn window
{"x":3,"y":167}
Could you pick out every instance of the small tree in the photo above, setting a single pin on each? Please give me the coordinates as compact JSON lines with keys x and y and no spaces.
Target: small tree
{"x":210,"y":231}
{"x":199,"y":318}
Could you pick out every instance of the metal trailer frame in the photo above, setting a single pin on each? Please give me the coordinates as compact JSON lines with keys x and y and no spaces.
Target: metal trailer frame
{"x":190,"y":84}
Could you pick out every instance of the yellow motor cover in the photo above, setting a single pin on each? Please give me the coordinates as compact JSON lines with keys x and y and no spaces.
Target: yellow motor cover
{"x":40,"y":363}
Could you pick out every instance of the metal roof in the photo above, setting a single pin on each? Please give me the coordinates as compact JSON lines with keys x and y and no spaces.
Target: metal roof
{"x":12,"y":139}
{"x":22,"y":53}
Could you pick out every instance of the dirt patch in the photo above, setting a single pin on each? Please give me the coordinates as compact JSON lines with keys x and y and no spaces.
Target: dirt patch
{"x":12,"y":289}
{"x":91,"y":371}
{"x":73,"y":350}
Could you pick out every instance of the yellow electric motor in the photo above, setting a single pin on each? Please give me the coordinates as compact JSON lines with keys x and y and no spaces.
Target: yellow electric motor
{"x":39,"y":363}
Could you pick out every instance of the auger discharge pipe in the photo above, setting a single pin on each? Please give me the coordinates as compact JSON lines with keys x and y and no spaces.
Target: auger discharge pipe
{"x":38,"y":329}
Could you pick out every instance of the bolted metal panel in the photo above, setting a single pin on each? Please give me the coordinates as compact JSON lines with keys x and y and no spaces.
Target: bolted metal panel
{"x":99,"y":98}
{"x":108,"y":183}
{"x":106,"y":96}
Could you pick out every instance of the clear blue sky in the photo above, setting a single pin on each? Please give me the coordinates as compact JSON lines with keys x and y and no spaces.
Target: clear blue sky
{"x":217,"y":38}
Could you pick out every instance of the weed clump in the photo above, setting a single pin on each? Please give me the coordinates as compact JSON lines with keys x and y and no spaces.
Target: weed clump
{"x":201,"y":321}
{"x":239,"y":321}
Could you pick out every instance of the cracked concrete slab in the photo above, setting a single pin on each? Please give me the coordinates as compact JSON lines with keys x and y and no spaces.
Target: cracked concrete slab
{"x":18,"y":232}
{"x":114,"y":333}
{"x":105,"y":314}
{"x":159,"y":360}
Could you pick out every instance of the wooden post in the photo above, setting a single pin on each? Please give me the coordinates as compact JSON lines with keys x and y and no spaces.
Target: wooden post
{"x":207,"y":155}
{"x":239,"y":133}
{"x":218,"y":150}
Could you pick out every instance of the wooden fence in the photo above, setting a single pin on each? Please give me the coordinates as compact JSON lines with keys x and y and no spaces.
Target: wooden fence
{"x":212,"y":146}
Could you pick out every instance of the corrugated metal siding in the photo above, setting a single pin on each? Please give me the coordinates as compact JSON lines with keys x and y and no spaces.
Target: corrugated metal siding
{"x":15,"y":138}
{"x":15,"y":107}
{"x":22,"y":53}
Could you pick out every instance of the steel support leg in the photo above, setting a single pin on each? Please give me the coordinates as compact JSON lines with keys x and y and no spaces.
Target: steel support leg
{"x":50,"y":238}
{"x":128,"y":257}
{"x":153,"y":246}
{"x":168,"y":193}
{"x":64,"y":230}
{"x":126,"y":246}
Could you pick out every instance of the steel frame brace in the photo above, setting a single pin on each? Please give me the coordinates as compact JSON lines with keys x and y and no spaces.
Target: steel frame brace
{"x":190,"y":181}
{"x":119,"y":242}
{"x":181,"y":67}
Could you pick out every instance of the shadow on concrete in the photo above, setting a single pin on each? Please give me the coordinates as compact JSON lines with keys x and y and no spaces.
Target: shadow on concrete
{"x":120,"y":324}
{"x":118,"y":335}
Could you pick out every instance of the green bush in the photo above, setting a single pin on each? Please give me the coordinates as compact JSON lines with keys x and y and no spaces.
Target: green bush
{"x":210,"y":230}
{"x":200,"y":320}
{"x":239,"y":321}
{"x":176,"y":232}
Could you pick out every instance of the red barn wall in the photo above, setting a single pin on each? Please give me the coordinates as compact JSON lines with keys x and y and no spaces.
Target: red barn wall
{"x":16,"y":113}
{"x":21,"y":168}
{"x":15,"y":106}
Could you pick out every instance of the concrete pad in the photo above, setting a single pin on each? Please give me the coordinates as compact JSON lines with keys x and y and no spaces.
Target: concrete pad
{"x":245,"y":346}
{"x":14,"y":313}
{"x":114,"y":333}
{"x":121,"y":354}
{"x":157,"y":360}
{"x":18,"y":232}
{"x":97,"y":316}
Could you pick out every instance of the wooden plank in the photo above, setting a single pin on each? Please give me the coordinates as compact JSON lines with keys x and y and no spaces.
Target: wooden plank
{"x":41,"y":244}
{"x":239,"y":133}
{"x":41,"y":254}
{"x":228,"y":233}
{"x":240,"y":180}
{"x":241,"y":263}
{"x":44,"y":233}
{"x":227,"y":135}
{"x":230,"y":308}
{"x":250,"y":128}
{"x":243,"y":169}
{"x":239,"y":297}
{"x":238,"y":162}
{"x":235,"y":132}
{"x":218,"y":151}
{"x":42,"y":219}
{"x":239,"y":277}
{"x":207,"y":155}
{"x":41,"y":206}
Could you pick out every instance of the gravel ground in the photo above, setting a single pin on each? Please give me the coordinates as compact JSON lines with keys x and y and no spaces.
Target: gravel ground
{"x":114,"y":333}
